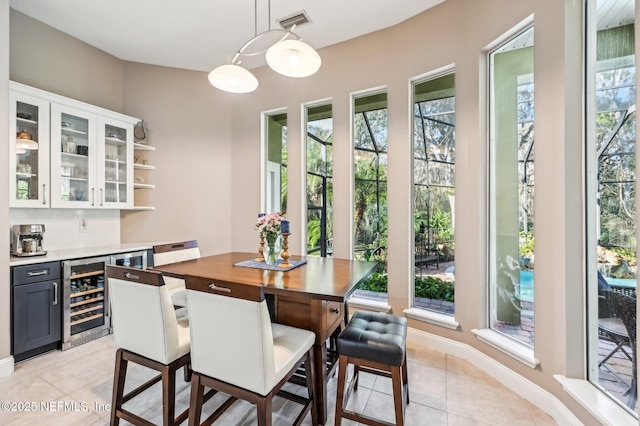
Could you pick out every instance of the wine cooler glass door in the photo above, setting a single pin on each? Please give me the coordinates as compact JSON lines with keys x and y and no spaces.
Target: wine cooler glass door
{"x":86,"y":313}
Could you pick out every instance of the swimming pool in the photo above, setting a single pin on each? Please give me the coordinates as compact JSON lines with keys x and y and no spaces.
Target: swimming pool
{"x":622,"y":282}
{"x":526,"y":283}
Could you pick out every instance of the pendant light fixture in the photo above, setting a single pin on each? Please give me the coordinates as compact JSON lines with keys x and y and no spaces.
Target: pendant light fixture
{"x":289,"y":56}
{"x":233,"y":78}
{"x":293,"y":58}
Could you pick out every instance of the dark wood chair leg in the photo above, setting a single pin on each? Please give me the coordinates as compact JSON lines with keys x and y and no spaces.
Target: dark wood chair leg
{"x":356,"y":375}
{"x":342,"y":374}
{"x":398,"y":399}
{"x":120,"y":374}
{"x":320,"y":367}
{"x":311,"y":383}
{"x":168,"y":396}
{"x":405,"y":376}
{"x":187,"y":373}
{"x":265,"y":414}
{"x":195,"y":401}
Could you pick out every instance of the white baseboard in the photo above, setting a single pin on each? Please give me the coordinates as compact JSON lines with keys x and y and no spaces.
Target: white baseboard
{"x":6,"y":366}
{"x":544,"y":400}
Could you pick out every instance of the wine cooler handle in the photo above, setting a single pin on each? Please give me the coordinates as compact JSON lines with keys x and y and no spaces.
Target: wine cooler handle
{"x":93,"y":196}
{"x":44,"y":194}
{"x":101,"y":197}
{"x":55,"y":293}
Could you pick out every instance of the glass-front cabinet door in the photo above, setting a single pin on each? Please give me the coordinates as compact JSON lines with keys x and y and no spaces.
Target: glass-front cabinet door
{"x":73,"y":158}
{"x":29,"y":151}
{"x":115,"y":163}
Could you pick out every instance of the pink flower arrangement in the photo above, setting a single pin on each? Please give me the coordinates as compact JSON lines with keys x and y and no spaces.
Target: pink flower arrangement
{"x":270,"y":223}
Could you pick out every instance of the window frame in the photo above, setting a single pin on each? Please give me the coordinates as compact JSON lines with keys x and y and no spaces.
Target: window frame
{"x":323,"y":248}
{"x":428,"y":315}
{"x":266,"y":194}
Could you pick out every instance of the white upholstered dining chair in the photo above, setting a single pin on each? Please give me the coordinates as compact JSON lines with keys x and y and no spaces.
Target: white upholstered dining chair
{"x":146,"y":332}
{"x":237,"y":350}
{"x":171,"y":253}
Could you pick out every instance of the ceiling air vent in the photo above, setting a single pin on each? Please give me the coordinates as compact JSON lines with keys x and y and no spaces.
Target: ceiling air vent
{"x":296,"y":19}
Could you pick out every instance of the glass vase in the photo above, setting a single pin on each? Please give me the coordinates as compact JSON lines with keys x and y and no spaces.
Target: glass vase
{"x":272,"y":248}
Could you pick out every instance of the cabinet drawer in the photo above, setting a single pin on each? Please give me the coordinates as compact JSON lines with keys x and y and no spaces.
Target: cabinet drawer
{"x":37,"y":272}
{"x":333,"y":314}
{"x":320,"y":316}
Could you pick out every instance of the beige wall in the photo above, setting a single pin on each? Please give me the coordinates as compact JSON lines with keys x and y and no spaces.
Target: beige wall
{"x":5,"y":337}
{"x":208,"y":173}
{"x":189,"y":123}
{"x":48,"y":59}
{"x":455,"y":32}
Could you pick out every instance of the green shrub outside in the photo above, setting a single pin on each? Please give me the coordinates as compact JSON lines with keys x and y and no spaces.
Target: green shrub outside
{"x":527,"y":247}
{"x":527,"y":243}
{"x":376,"y":282}
{"x":427,"y":287}
{"x":434,"y":288}
{"x":627,"y":254}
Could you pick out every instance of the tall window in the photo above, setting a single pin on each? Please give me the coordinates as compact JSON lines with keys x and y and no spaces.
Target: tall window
{"x":319,"y":180}
{"x":434,"y":192}
{"x":611,"y":193}
{"x":276,"y":179}
{"x":511,"y":292}
{"x":370,"y":188}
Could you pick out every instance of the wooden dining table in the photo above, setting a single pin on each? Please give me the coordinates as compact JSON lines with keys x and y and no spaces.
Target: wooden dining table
{"x":312,"y":296}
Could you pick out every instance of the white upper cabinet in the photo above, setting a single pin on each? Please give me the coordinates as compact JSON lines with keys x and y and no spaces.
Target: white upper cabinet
{"x":74,"y":154}
{"x":115,"y":169}
{"x":28,"y":151}
{"x":69,"y":154}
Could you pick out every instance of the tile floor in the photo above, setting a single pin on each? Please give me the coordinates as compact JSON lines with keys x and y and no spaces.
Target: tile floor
{"x":74,"y":388}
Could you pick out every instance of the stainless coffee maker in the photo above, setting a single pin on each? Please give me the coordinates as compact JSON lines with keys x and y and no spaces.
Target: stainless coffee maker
{"x":26,"y":240}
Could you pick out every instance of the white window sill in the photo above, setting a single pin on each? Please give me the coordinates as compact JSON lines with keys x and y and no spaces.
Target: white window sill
{"x":432,"y":317}
{"x":368,"y":304}
{"x":504,"y":344}
{"x":595,"y":402}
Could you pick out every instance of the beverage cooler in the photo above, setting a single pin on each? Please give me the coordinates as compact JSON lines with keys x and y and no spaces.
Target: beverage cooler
{"x":86,"y":313}
{"x":136,"y":259}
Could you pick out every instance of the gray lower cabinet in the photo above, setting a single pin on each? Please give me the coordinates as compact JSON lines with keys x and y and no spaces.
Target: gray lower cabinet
{"x":36,"y":309}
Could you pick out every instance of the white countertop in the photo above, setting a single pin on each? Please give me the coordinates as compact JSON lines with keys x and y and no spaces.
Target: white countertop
{"x":77,"y":253}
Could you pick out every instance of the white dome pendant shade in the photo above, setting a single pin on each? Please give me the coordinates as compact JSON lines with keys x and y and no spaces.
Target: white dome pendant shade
{"x":233,"y":78}
{"x":293,"y":58}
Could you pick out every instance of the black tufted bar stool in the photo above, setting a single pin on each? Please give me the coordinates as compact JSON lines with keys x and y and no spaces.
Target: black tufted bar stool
{"x":374,"y":343}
